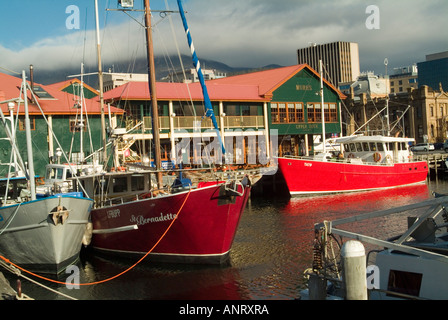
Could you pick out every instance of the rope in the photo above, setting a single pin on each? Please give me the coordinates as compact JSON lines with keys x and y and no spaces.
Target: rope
{"x":10,"y":218}
{"x":113,"y":277}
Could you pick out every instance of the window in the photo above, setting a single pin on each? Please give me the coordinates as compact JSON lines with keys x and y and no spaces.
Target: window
{"x":315,"y":112}
{"x":292,"y":113}
{"x":404,"y":282}
{"x":288,"y":112}
{"x":365,"y":146}
{"x":22,"y":123}
{"x":138,"y":183}
{"x":333,"y":113}
{"x":120,"y":185}
{"x":282,"y":112}
{"x":311,"y":117}
{"x":76,"y":124}
{"x":299,"y":112}
{"x":274,"y":113}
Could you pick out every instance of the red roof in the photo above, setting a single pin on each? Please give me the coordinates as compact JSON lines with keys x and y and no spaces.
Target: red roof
{"x":256,"y":86}
{"x":59,"y":103}
{"x":270,"y":80}
{"x":184,"y":91}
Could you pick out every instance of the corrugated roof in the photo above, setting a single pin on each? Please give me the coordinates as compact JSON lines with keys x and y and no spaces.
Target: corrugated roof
{"x":184,"y":91}
{"x":255,"y":86}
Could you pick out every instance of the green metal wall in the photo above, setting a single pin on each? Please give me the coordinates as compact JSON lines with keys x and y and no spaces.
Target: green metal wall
{"x":40,"y":142}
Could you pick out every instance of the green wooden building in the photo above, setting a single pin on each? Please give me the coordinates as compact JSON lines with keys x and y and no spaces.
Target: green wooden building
{"x":56,"y":110}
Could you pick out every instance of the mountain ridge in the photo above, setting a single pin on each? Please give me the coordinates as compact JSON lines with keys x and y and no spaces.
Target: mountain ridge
{"x":163,"y":65}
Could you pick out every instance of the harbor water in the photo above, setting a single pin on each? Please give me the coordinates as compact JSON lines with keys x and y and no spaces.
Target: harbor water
{"x":271,"y":251}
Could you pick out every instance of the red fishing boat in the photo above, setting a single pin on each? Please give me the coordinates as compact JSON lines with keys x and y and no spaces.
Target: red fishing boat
{"x":368,"y":163}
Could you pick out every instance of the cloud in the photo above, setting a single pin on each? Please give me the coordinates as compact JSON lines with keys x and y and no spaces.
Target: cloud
{"x":254,"y":33}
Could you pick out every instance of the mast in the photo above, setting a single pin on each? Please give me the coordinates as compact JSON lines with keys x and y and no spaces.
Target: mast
{"x":100,"y":79}
{"x":153,"y":93}
{"x":81,"y":124}
{"x":208,"y":105}
{"x":29,"y":145}
{"x":322,"y":105}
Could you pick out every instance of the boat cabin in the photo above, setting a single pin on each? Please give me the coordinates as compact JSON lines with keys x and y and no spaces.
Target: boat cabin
{"x":376,"y":149}
{"x":13,"y":189}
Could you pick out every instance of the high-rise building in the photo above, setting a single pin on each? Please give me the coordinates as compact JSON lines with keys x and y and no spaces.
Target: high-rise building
{"x":434,"y":71}
{"x":340,"y":60}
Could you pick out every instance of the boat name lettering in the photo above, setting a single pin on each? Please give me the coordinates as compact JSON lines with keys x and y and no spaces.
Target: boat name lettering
{"x":113,"y":213}
{"x":308,"y":164}
{"x":140,"y":220}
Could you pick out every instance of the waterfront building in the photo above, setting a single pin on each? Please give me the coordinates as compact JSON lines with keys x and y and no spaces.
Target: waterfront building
{"x":403,"y":79}
{"x":191,"y":75}
{"x":285,"y":99}
{"x":340,"y":60}
{"x":62,"y":116}
{"x":420,"y":113}
{"x":434,"y":71}
{"x":112,"y":80}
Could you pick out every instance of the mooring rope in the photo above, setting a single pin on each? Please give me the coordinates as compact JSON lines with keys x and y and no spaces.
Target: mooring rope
{"x":113,"y":277}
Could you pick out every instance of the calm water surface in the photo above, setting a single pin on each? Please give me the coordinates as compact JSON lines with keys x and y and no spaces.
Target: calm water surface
{"x":272,"y":249}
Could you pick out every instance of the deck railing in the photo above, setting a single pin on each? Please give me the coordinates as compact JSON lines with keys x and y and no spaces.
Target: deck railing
{"x":190,"y":123}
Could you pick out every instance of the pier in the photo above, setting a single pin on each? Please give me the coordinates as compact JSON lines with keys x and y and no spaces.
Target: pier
{"x":435,"y":161}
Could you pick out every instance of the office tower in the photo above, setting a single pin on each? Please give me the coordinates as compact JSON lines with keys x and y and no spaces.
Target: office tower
{"x":340,"y":60}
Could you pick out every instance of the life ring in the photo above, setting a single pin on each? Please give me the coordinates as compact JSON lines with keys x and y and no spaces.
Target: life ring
{"x":377,"y":157}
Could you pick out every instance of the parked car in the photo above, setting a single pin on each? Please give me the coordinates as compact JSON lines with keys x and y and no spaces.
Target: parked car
{"x":438,"y":145}
{"x":445,"y":146}
{"x":423,"y":147}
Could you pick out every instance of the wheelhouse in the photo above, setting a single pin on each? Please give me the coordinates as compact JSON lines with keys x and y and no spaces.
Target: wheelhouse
{"x":377,"y":149}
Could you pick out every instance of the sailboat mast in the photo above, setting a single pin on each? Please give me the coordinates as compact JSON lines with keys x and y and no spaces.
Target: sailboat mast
{"x":29,"y":145}
{"x":153,"y":93}
{"x":100,"y":80}
{"x":322,"y":105}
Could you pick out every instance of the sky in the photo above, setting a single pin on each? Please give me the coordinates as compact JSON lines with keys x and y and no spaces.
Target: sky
{"x":52,"y":34}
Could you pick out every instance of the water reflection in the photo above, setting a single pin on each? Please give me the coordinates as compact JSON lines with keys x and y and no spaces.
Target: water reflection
{"x":272,"y":248}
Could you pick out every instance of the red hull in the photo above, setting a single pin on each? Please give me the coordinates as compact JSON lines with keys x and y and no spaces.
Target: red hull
{"x":206,"y":224}
{"x":305,"y":176}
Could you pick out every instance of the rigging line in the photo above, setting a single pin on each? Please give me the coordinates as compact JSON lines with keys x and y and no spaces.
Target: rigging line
{"x":172,"y":69}
{"x":9,"y":70}
{"x":117,"y":275}
{"x":180,"y":58}
{"x":11,"y":218}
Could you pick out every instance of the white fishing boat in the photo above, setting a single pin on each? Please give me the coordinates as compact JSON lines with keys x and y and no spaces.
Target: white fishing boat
{"x":40,"y":234}
{"x":410,"y":265}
